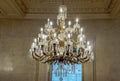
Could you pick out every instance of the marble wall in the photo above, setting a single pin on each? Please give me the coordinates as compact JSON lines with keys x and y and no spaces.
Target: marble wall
{"x":16,"y":37}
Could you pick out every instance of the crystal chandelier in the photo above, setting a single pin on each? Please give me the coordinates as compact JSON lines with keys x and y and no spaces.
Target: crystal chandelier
{"x":62,"y":44}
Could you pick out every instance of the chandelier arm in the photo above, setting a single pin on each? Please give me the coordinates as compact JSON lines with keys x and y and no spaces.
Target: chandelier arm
{"x":49,"y":40}
{"x":60,"y":39}
{"x":45,"y":59}
{"x":49,"y":59}
{"x":42,"y":58}
{"x":72,"y":60}
{"x":79,"y":62}
{"x":47,"y":54}
{"x":75,"y":42}
{"x":69,"y":58}
{"x":37,"y":58}
{"x":85,"y":59}
{"x":74,"y":54}
{"x":64,"y":55}
{"x":34,"y":54}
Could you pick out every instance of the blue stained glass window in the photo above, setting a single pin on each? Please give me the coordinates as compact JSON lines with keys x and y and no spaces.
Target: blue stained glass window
{"x":77,"y":76}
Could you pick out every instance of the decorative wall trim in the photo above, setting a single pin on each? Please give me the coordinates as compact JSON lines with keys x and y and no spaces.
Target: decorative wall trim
{"x":37,"y":9}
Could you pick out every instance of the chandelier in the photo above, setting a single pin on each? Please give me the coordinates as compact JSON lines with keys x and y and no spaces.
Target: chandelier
{"x":61,"y":43}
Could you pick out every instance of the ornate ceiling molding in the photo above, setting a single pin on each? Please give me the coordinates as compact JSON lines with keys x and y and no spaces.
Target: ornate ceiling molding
{"x":24,"y":8}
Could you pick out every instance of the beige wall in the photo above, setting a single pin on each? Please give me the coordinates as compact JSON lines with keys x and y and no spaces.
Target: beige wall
{"x":16,"y":37}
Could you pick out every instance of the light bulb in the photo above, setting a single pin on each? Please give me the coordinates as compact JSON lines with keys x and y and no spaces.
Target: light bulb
{"x":77,"y":20}
{"x":64,"y":27}
{"x":45,"y":36}
{"x":68,"y":35}
{"x":81,"y":29}
{"x":61,"y":10}
{"x":33,"y":45}
{"x":48,"y":19}
{"x":92,"y":56}
{"x":35,"y":40}
{"x":88,"y":43}
{"x":41,"y":29}
{"x":51,"y":23}
{"x":81,"y":39}
{"x":69,"y":23}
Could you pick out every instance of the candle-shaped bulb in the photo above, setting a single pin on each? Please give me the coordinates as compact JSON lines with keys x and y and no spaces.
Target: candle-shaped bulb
{"x":33,"y":45}
{"x":69,"y":23}
{"x":51,"y":23}
{"x":35,"y":40}
{"x":88,"y":43}
{"x":41,"y":29}
{"x":77,"y":20}
{"x":64,"y":27}
{"x":81,"y":39}
{"x":48,"y":19}
{"x":68,"y":35}
{"x":81,"y":29}
{"x":61,"y":10}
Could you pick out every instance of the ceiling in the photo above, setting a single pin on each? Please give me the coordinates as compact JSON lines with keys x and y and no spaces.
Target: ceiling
{"x":37,"y":9}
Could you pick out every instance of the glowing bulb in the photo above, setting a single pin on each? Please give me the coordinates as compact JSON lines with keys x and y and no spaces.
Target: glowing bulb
{"x":48,"y":19}
{"x":33,"y":44}
{"x":61,"y":10}
{"x":51,"y":23}
{"x":69,"y":23}
{"x":68,"y":35}
{"x":77,"y":20}
{"x":92,"y":56}
{"x":64,"y":27}
{"x":41,"y":29}
{"x":54,"y":34}
{"x":81,"y":29}
{"x":88,"y":43}
{"x":35,"y":40}
{"x":46,"y":36}
{"x":81,"y":39}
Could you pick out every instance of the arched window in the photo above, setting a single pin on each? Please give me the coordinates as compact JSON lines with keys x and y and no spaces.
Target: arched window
{"x":75,"y":75}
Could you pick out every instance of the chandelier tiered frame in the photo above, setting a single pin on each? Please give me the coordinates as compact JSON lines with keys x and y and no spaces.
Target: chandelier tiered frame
{"x":62,"y":43}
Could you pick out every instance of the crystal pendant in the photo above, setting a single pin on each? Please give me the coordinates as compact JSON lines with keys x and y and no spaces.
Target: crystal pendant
{"x":61,"y":70}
